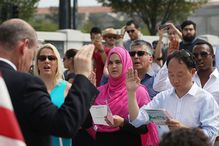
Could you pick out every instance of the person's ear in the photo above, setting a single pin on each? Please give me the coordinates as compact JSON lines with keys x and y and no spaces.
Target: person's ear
{"x":193,"y":71}
{"x":23,"y":45}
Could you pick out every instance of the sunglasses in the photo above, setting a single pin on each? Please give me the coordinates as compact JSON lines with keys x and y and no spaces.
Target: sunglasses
{"x":139,"y":53}
{"x":44,"y":57}
{"x":128,"y":31}
{"x":111,"y":37}
{"x":202,"y":54}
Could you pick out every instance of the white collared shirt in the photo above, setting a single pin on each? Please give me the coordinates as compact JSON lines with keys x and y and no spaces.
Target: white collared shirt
{"x":197,"y":108}
{"x":8,"y":62}
{"x":161,"y":82}
{"x":212,"y":85}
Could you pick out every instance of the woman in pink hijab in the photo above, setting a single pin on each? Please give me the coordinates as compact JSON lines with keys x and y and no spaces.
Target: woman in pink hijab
{"x":114,"y":94}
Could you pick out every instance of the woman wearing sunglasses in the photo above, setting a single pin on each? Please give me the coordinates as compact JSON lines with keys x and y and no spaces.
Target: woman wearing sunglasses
{"x":48,"y":68}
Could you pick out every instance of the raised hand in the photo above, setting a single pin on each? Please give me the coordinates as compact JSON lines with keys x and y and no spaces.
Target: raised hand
{"x":83,"y":60}
{"x":132,"y":80}
{"x":122,"y":31}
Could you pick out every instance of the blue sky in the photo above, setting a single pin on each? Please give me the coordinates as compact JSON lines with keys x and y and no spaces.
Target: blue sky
{"x":48,"y":3}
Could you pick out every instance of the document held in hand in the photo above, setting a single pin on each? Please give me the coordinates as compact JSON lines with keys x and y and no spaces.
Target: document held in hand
{"x":99,"y":112}
{"x":158,"y":116}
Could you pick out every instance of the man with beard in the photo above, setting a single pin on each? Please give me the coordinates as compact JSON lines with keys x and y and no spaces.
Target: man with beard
{"x":189,"y":38}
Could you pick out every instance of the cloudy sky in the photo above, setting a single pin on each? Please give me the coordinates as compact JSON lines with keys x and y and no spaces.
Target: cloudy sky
{"x":47,"y":3}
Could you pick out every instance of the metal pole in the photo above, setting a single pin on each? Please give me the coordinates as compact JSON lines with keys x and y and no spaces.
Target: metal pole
{"x":74,"y":16}
{"x":64,"y":14}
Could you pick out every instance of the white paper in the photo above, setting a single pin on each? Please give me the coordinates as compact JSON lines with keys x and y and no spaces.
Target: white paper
{"x":158,"y":116}
{"x":99,"y":112}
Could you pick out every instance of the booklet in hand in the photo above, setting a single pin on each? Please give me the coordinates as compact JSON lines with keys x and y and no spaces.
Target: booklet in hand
{"x":158,"y":116}
{"x":99,"y":112}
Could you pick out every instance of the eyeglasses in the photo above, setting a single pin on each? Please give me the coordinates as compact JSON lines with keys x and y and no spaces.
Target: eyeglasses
{"x":111,"y":37}
{"x":202,"y":54}
{"x":44,"y":57}
{"x":128,"y":31}
{"x":139,"y":53}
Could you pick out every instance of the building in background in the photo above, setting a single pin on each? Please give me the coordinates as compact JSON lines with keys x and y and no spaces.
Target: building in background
{"x":207,"y":19}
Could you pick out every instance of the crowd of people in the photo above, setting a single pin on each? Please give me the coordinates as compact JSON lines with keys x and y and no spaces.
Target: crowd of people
{"x":129,"y":77}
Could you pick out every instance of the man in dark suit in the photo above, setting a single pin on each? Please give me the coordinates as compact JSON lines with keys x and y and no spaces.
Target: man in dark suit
{"x":37,"y":116}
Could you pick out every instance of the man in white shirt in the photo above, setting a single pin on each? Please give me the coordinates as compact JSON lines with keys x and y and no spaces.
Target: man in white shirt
{"x":207,"y":76}
{"x":187,"y":103}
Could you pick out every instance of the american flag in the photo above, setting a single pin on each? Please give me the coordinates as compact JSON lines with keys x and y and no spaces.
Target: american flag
{"x":10,"y":133}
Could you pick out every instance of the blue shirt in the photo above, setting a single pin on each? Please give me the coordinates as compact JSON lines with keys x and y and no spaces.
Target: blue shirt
{"x":148,"y":82}
{"x":57,"y":97}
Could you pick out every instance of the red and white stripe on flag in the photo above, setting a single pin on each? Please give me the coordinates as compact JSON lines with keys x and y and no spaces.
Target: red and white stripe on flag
{"x":10,"y":133}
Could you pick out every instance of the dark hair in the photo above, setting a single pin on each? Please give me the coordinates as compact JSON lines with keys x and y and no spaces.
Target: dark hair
{"x":130,"y":22}
{"x":95,"y":30}
{"x":184,"y":56}
{"x":188,"y":22}
{"x":14,"y":30}
{"x":203,"y":42}
{"x":185,"y":137}
{"x":154,"y":44}
{"x":71,"y":53}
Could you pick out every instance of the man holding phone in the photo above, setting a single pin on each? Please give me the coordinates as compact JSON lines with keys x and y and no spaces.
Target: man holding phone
{"x":100,"y":53}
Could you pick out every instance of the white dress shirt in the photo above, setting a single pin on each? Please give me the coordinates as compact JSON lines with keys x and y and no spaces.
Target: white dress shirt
{"x":162,"y":82}
{"x":212,"y":85}
{"x":197,"y":108}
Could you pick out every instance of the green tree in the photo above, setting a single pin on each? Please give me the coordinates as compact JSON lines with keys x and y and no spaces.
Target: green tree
{"x":43,"y":25}
{"x":153,"y":12}
{"x":23,"y":9}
